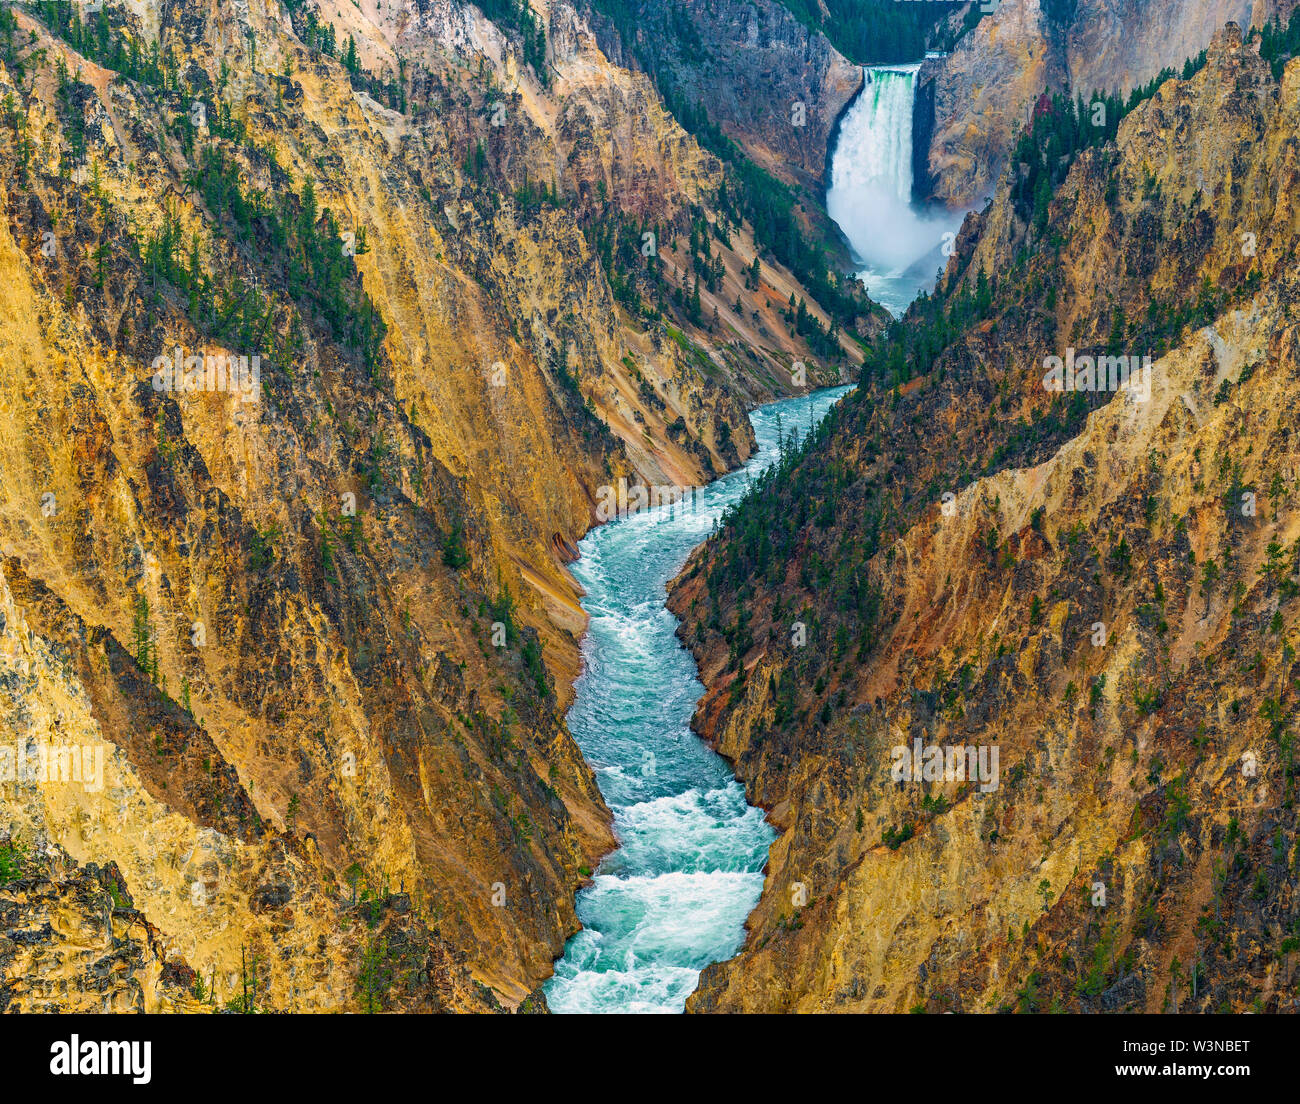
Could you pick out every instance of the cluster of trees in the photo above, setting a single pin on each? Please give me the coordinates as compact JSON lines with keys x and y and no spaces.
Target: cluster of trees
{"x":390,"y":89}
{"x":98,"y":40}
{"x":909,"y":348}
{"x":629,"y":254}
{"x":297,"y":244}
{"x":770,"y":208}
{"x":531,"y":196}
{"x":865,"y":31}
{"x":530,"y":651}
{"x":705,"y":263}
{"x":69,"y":104}
{"x":767,"y":531}
{"x":797,"y":505}
{"x":476,"y":162}
{"x":881,"y":31}
{"x":1279,"y":43}
{"x":889,"y":31}
{"x":822,"y":341}
{"x":1062,"y":127}
{"x":8,"y":51}
{"x":454,"y":553}
{"x":618,"y":242}
{"x":322,"y":39}
{"x":633,"y":19}
{"x":143,"y":640}
{"x":318,"y":37}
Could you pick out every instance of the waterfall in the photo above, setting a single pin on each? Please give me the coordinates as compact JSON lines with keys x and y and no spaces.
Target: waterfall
{"x":875,"y":145}
{"x":870,"y":193}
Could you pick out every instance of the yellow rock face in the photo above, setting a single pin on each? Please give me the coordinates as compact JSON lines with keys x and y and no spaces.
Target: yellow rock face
{"x":323,"y":774}
{"x":987,"y":88}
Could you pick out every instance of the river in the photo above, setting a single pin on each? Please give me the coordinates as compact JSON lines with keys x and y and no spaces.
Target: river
{"x":688,"y":868}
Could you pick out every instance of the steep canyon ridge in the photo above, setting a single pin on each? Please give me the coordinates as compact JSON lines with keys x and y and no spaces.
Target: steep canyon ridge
{"x":402,"y":400}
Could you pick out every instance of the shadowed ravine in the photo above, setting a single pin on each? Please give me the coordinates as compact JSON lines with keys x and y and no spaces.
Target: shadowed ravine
{"x":674,"y":896}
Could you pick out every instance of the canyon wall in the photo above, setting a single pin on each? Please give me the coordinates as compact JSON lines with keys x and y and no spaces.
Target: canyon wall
{"x":771,"y":83}
{"x":984,"y":91}
{"x":315,"y":627}
{"x":1098,"y":589}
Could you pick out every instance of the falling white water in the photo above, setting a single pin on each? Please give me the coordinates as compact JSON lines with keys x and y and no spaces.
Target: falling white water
{"x":898,"y":245}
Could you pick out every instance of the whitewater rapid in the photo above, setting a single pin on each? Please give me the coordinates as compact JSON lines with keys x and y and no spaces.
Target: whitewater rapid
{"x":898,"y":245}
{"x":689,"y":865}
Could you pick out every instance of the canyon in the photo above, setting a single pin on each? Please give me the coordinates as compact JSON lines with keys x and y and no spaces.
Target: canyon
{"x":323,"y":776}
{"x":428,"y":582}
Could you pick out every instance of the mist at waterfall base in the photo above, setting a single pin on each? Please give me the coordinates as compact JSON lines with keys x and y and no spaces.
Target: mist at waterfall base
{"x":689,"y":866}
{"x":898,"y":244}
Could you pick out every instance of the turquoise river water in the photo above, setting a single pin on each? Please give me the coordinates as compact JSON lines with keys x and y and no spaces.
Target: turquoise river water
{"x":688,"y":868}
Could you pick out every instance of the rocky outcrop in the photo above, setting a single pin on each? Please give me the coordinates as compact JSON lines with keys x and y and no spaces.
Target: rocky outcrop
{"x":983,"y":92}
{"x":770,"y":82}
{"x":980,"y":94}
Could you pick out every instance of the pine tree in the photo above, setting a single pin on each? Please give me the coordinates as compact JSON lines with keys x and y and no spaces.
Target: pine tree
{"x":1042,"y":197}
{"x":146,"y":656}
{"x":1117,"y":331}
